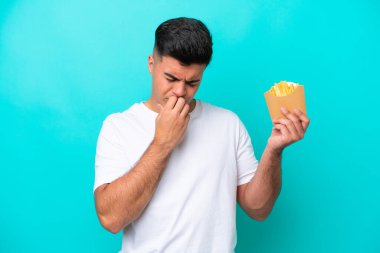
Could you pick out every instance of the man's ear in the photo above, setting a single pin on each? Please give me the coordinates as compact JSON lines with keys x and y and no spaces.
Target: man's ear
{"x":150,"y":63}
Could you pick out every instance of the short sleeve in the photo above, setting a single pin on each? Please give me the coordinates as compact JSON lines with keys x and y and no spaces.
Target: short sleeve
{"x":246,"y":161}
{"x":110,"y":159}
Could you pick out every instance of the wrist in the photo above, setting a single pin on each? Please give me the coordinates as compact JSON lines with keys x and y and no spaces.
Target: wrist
{"x":161,"y":147}
{"x":274,"y":150}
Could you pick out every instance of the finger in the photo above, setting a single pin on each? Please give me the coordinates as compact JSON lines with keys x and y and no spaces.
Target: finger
{"x":304,"y":119}
{"x":179,"y":105}
{"x":282,"y":129}
{"x":295,"y":119}
{"x":185,"y":110}
{"x":187,"y":119}
{"x":171,"y":102}
{"x":289,"y":125}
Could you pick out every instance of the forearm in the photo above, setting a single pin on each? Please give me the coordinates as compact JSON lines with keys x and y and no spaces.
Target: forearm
{"x":123,"y":200}
{"x":264,"y":188}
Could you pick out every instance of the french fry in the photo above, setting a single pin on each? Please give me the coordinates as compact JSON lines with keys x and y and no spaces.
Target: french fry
{"x":283,"y":88}
{"x":285,"y":94}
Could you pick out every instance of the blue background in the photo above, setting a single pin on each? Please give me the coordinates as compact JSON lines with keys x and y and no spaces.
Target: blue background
{"x":66,"y":65}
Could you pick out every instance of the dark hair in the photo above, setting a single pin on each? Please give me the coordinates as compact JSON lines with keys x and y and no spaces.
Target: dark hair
{"x":186,"y":39}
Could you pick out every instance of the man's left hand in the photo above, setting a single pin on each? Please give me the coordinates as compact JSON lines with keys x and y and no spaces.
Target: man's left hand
{"x":288,"y":130}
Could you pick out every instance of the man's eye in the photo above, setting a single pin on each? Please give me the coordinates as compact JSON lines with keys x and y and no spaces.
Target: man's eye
{"x":170,"y":80}
{"x":192,"y":84}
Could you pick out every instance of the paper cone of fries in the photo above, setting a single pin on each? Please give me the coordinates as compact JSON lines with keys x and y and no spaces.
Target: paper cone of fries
{"x":285,"y":94}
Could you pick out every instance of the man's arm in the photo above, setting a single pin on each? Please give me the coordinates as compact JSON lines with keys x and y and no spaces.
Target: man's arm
{"x":257,"y":197}
{"x":122,"y":201}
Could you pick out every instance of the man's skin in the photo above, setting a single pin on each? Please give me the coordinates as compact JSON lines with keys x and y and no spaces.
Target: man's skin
{"x":173,"y":88}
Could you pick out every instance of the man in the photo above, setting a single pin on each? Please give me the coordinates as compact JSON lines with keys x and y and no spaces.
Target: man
{"x":170,"y":170}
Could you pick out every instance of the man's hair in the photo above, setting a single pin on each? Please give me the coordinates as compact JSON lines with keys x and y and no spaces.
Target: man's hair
{"x":186,"y":39}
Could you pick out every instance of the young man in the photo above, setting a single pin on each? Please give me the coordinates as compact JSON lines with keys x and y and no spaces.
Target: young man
{"x":170,"y":170}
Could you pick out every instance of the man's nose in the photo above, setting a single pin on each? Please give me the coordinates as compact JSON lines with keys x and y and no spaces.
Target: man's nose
{"x":179,"y":89}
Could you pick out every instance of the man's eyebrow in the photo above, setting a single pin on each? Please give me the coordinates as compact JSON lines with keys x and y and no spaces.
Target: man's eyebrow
{"x":171,"y":76}
{"x":177,"y":79}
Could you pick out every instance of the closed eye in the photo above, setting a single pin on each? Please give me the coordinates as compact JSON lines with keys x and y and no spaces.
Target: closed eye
{"x":171,"y":79}
{"x":192,"y":84}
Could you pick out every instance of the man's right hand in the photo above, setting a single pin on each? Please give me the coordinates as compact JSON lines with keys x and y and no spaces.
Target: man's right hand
{"x":171,"y":123}
{"x":122,"y":201}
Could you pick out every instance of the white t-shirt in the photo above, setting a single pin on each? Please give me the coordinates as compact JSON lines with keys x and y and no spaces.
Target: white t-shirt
{"x":194,"y":206}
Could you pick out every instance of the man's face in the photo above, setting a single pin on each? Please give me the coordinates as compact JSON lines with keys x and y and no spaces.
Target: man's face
{"x":171,"y":78}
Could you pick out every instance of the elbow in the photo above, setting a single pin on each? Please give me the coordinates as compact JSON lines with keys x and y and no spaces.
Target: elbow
{"x":260,"y":214}
{"x":110,"y":224}
{"x":110,"y":221}
{"x":259,"y":217}
{"x":260,"y":211}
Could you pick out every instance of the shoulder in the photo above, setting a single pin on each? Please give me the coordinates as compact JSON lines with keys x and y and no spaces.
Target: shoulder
{"x":120,"y":118}
{"x":219,"y":112}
